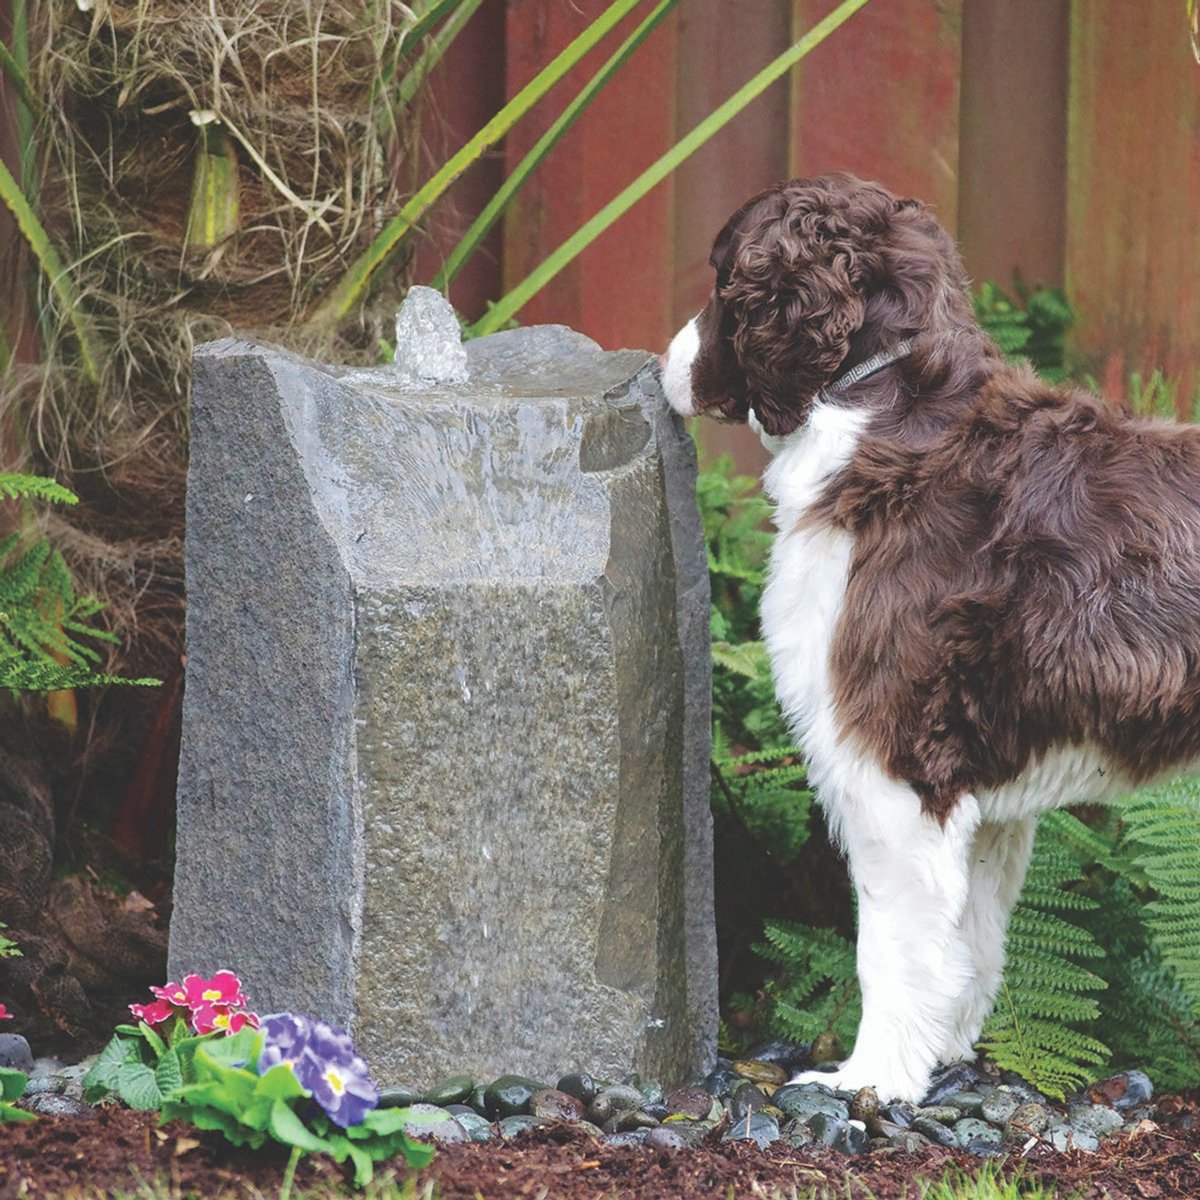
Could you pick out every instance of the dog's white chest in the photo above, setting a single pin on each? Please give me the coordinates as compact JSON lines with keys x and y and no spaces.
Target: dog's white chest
{"x":806,"y":581}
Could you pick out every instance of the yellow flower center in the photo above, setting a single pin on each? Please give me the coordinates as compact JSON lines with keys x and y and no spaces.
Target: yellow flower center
{"x":335,"y":1081}
{"x":212,"y":994}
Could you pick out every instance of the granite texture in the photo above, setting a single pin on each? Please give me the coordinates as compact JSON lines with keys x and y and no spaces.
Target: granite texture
{"x":444,"y":767}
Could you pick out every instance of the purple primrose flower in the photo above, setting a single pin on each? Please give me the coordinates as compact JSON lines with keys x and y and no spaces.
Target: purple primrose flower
{"x":322,"y":1058}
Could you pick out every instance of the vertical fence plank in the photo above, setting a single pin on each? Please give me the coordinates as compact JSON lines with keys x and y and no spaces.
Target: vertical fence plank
{"x":716,"y":56}
{"x":880,"y":98}
{"x":465,"y":89}
{"x":618,"y":291}
{"x":1012,"y":140}
{"x":1133,"y":191}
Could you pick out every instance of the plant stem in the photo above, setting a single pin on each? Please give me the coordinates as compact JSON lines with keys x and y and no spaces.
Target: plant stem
{"x":289,"y":1173}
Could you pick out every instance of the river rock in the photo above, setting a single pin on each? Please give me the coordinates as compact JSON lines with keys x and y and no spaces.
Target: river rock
{"x":15,"y":1053}
{"x":580,"y":1085}
{"x":553,"y":1105}
{"x":510,"y":1096}
{"x":999,"y":1105}
{"x":1123,"y":1091}
{"x":760,"y":1128}
{"x":665,"y":1139}
{"x":804,"y":1101}
{"x":508,"y":1127}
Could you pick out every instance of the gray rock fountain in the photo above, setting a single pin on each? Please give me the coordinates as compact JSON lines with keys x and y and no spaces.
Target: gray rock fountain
{"x":444,"y":777}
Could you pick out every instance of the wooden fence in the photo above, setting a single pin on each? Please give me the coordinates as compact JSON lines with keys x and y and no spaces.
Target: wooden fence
{"x":1057,"y":138}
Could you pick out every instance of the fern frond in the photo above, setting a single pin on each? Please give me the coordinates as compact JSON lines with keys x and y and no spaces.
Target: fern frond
{"x":1164,"y":825}
{"x":817,"y":990}
{"x":38,"y":675}
{"x":1048,"y":996}
{"x":34,"y":487}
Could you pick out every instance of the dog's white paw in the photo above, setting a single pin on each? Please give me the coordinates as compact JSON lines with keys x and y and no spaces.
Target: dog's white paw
{"x":890,"y":1084}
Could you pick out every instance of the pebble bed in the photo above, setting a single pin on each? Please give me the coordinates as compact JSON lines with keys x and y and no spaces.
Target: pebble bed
{"x":966,"y":1108}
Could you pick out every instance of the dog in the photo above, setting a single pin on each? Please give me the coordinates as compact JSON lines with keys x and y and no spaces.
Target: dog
{"x":983,"y":598}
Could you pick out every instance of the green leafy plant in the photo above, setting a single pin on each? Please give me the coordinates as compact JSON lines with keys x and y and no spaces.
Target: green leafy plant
{"x":227,"y":1093}
{"x":1031,"y":325}
{"x":1049,"y":999}
{"x":12,"y":1087}
{"x":198,"y":1055}
{"x":41,"y":617}
{"x":141,"y":1067}
{"x":758,"y":777}
{"x":816,"y":991}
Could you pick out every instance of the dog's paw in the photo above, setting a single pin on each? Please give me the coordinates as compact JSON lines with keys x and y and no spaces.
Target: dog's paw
{"x":890,"y":1085}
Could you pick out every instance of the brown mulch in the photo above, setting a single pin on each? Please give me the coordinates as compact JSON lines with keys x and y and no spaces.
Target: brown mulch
{"x":117,"y":1150}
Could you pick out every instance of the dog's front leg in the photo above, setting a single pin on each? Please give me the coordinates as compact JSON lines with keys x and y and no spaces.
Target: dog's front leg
{"x":999,"y":859}
{"x":911,"y":875}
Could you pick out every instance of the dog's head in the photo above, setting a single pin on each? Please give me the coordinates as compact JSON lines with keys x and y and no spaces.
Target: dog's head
{"x":813,"y":277}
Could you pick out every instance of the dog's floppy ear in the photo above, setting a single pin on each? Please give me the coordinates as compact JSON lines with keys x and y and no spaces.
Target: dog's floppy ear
{"x":795,"y":290}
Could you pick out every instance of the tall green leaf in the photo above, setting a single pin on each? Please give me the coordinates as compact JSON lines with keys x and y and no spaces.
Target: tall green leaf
{"x":435,"y":47}
{"x":495,"y":207}
{"x":56,"y":274}
{"x":509,"y":305}
{"x":357,"y":279}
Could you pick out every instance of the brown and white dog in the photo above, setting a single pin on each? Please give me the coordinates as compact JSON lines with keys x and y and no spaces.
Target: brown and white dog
{"x":983,"y":598}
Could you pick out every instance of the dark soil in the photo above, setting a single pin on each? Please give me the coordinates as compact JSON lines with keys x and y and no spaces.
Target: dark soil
{"x":117,"y":1150}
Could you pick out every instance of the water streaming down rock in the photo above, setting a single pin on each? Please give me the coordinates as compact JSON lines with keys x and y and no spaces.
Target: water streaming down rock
{"x":444,"y":768}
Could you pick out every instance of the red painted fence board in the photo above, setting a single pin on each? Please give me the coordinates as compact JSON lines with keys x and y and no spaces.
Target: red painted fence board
{"x":879,"y":98}
{"x":618,"y":291}
{"x":1133,"y":213}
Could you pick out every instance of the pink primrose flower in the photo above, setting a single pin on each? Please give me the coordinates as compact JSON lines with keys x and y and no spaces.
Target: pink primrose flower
{"x":223,"y":989}
{"x":157,"y":1013}
{"x":5,"y":1015}
{"x":220,"y":1018}
{"x":173,"y":993}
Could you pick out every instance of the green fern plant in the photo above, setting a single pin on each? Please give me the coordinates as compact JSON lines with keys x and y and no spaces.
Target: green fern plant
{"x":1032,"y":324}
{"x":41,"y":618}
{"x":1049,"y":999}
{"x":816,"y":990}
{"x":8,"y":948}
{"x":758,"y":777}
{"x":1163,"y":825}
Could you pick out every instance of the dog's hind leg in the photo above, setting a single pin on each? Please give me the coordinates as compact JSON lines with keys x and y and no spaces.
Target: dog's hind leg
{"x":999,"y":858}
{"x":911,"y":875}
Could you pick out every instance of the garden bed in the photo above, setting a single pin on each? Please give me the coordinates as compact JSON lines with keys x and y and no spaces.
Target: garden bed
{"x":117,"y":1150}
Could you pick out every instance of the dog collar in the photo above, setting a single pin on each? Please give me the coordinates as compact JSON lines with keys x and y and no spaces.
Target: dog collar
{"x":870,"y":366}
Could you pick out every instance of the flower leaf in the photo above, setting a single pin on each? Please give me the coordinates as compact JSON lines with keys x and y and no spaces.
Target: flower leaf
{"x":280,"y":1083}
{"x":364,"y":1169}
{"x":239,"y":1049}
{"x":213,"y":1118}
{"x":101,"y":1080}
{"x":156,"y":1043}
{"x":285,"y":1126}
{"x":169,"y":1073}
{"x":137,"y":1086}
{"x":12,"y":1083}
